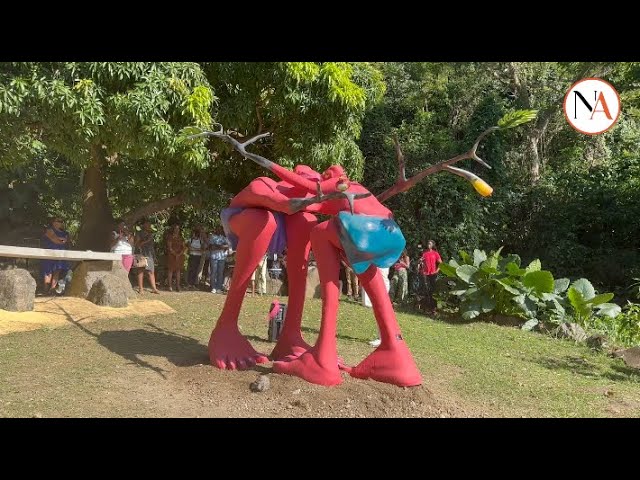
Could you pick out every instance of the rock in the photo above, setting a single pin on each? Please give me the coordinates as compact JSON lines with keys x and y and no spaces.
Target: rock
{"x":313,"y":283}
{"x":276,"y":287}
{"x":86,"y":274}
{"x":597,"y":341}
{"x":631,"y":357}
{"x":572,"y":331}
{"x":261,"y":384}
{"x":108,"y":291}
{"x":17,"y":290}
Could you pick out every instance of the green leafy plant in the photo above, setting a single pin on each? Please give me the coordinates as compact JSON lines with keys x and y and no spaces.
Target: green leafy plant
{"x":624,"y":329}
{"x":491,"y":283}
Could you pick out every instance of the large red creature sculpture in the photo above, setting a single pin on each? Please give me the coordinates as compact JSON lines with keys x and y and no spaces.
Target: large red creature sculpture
{"x":267,"y":214}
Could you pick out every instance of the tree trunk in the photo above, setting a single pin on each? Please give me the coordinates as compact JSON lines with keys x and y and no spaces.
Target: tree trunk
{"x":535,"y":160}
{"x":97,"y":219}
{"x":536,"y":142}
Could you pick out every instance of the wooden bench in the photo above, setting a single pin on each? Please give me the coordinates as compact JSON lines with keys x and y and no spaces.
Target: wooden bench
{"x":91,"y":266}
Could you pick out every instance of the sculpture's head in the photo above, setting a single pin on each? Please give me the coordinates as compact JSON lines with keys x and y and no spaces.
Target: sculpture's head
{"x":332,"y":172}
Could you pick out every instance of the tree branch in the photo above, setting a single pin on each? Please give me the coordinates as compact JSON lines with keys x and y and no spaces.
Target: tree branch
{"x":153,"y":207}
{"x":402,"y":184}
{"x":401,"y":165}
{"x":240,"y":147}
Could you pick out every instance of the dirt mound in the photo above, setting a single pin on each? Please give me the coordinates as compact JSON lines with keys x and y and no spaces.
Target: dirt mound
{"x":59,"y":311}
{"x":219,"y":393}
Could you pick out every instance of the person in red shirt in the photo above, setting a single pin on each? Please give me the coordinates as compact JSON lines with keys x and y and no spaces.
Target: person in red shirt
{"x":429,"y":268}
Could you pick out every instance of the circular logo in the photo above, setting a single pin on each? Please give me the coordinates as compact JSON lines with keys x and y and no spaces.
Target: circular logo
{"x":592,"y":106}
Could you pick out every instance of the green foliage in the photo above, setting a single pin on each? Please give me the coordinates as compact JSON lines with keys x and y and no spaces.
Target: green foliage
{"x":586,"y":200}
{"x":313,"y":110}
{"x":584,"y":300}
{"x":516,"y":118}
{"x":134,"y":108}
{"x":494,"y":284}
{"x":139,"y":110}
{"x":622,"y":329}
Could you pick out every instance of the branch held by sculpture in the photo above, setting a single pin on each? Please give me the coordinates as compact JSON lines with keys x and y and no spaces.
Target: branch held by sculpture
{"x":296,"y":204}
{"x":510,"y":120}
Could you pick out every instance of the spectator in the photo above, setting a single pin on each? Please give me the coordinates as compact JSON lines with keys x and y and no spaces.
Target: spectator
{"x":54,"y":238}
{"x":144,"y":244}
{"x":219,"y":249}
{"x":399,"y":281}
{"x":415,"y":277}
{"x":196,"y":251}
{"x":430,"y":266}
{"x":259,"y":276}
{"x":121,"y":242}
{"x":229,"y":265}
{"x":352,"y":282}
{"x":175,"y":248}
{"x":367,"y":302}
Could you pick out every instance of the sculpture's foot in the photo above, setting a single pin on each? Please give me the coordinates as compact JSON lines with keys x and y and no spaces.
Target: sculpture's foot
{"x":308,"y":367}
{"x":392,"y":364}
{"x":228,"y":349}
{"x":289,"y":346}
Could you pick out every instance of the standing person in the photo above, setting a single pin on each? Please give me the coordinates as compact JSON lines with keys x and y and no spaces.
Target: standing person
{"x":196,"y":251}
{"x":175,"y":249}
{"x":259,"y":278}
{"x":399,"y":281}
{"x":219,"y":249}
{"x":54,"y":238}
{"x":430,"y":263}
{"x":366,"y":301}
{"x":415,"y":277}
{"x":351,"y":278}
{"x":144,"y":244}
{"x":121,"y":242}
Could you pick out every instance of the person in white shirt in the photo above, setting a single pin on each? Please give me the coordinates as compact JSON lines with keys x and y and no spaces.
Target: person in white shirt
{"x":367,"y":302}
{"x":121,"y":242}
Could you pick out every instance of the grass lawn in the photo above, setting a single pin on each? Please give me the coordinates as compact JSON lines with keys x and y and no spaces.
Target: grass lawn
{"x":158,"y":366}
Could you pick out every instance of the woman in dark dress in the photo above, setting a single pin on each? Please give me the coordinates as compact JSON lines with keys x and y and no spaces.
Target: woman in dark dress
{"x":54,"y":238}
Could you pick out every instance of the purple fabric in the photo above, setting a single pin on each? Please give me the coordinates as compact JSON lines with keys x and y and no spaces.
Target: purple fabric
{"x":278,"y":240}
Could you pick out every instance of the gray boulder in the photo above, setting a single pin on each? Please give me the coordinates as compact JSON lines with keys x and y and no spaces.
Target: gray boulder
{"x":108,"y":291}
{"x":17,"y":290}
{"x":313,"y":283}
{"x":88,"y":272}
{"x":631,"y":356}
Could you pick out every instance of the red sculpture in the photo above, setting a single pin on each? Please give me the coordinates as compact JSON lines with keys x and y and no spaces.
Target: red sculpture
{"x":262,"y":208}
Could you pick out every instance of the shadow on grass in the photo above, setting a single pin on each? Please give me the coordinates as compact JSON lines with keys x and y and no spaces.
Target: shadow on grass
{"x":180,"y":350}
{"x":581,"y":366}
{"x":344,"y":337}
